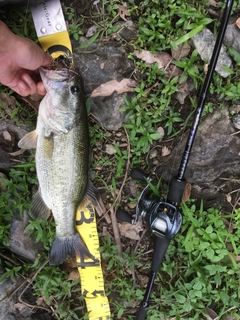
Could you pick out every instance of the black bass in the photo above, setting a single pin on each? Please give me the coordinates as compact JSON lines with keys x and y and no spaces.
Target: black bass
{"x":62,"y":160}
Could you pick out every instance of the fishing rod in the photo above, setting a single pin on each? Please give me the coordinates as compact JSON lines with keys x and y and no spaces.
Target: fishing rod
{"x":163,"y":216}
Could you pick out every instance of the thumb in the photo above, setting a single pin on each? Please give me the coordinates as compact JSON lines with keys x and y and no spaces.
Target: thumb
{"x":47,"y":60}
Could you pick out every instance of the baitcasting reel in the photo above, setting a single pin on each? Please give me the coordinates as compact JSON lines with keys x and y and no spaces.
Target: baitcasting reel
{"x":163,"y":218}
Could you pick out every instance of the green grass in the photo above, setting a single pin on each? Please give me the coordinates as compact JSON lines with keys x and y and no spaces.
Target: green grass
{"x":199,"y":269}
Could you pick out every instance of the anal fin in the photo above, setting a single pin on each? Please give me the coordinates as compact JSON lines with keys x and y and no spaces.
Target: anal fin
{"x":93,"y":195}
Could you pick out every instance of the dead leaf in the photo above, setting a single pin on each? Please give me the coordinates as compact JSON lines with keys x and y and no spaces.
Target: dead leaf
{"x":33,"y":103}
{"x":238,"y":23}
{"x":165,"y":151}
{"x":107,"y":88}
{"x":153,"y":154}
{"x":6,"y":135}
{"x":183,"y":92}
{"x":228,"y":198}
{"x":165,"y":58}
{"x":211,"y":313}
{"x":133,"y":188}
{"x":230,"y":318}
{"x":110,"y":149}
{"x":123,"y":11}
{"x":19,"y":306}
{"x":131,"y":231}
{"x":182,"y":51}
{"x":17,"y":153}
{"x":91,"y":31}
{"x":40,"y":301}
{"x":162,"y":58}
{"x":174,"y":71}
{"x":236,"y":258}
{"x":187,"y":192}
{"x":213,"y":3}
{"x":132,"y":205}
{"x":229,"y":225}
{"x":74,"y":275}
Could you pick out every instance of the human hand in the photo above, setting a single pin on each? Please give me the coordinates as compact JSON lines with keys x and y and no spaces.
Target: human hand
{"x":20,"y":59}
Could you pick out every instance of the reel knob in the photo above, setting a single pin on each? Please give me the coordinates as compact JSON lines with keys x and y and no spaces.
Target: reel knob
{"x":138,"y":174}
{"x":124,"y":216}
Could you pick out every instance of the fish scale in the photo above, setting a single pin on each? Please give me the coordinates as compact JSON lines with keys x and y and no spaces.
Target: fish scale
{"x":63,"y":192}
{"x":62,"y":156}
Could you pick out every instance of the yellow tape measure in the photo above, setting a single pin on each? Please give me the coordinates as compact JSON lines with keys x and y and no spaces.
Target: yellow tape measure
{"x":51,"y":28}
{"x":57,"y":50}
{"x":54,"y":38}
{"x":90,"y":270}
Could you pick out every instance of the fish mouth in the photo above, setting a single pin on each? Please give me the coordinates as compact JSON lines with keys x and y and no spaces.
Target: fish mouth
{"x":62,"y":75}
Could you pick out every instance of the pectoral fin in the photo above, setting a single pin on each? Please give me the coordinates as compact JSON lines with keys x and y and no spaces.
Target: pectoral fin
{"x":38,"y":209}
{"x":29,"y":141}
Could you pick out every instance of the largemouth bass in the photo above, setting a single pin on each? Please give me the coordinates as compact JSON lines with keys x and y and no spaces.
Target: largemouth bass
{"x":62,"y":160}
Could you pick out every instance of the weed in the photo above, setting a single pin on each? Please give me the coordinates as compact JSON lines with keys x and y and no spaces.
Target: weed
{"x":11,"y":272}
{"x":202,"y":266}
{"x":18,"y":195}
{"x":199,"y":269}
{"x":19,"y":21}
{"x":189,"y":67}
{"x":160,"y":26}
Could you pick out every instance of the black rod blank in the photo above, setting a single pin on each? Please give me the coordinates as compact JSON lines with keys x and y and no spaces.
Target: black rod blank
{"x":204,"y":91}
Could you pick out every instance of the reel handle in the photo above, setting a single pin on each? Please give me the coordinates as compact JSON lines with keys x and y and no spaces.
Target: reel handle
{"x":124,"y":216}
{"x":159,"y":251}
{"x":138,"y":174}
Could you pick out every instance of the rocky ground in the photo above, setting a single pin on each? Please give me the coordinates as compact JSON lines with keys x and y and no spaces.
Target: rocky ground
{"x":213,"y":170}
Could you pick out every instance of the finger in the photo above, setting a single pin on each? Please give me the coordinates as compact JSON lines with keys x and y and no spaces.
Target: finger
{"x":47,"y":60}
{"x":41,"y":89}
{"x":22,"y":88}
{"x":27,"y":79}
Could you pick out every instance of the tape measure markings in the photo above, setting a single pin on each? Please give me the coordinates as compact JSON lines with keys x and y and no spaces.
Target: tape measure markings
{"x":92,"y":284}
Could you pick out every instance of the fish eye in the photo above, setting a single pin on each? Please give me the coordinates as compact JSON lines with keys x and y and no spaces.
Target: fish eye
{"x":74,"y":89}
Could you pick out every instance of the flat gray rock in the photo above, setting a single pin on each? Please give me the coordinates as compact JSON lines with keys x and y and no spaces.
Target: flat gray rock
{"x":98,"y":65}
{"x":20,"y":242}
{"x":214,"y":162}
{"x":232,"y":37}
{"x":204,"y":42}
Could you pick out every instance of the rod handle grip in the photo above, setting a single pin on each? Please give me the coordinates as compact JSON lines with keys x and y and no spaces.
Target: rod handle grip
{"x":142,"y":313}
{"x":160,"y":249}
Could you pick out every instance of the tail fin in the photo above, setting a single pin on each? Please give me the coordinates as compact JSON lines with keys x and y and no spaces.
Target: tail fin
{"x":68,"y":246}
